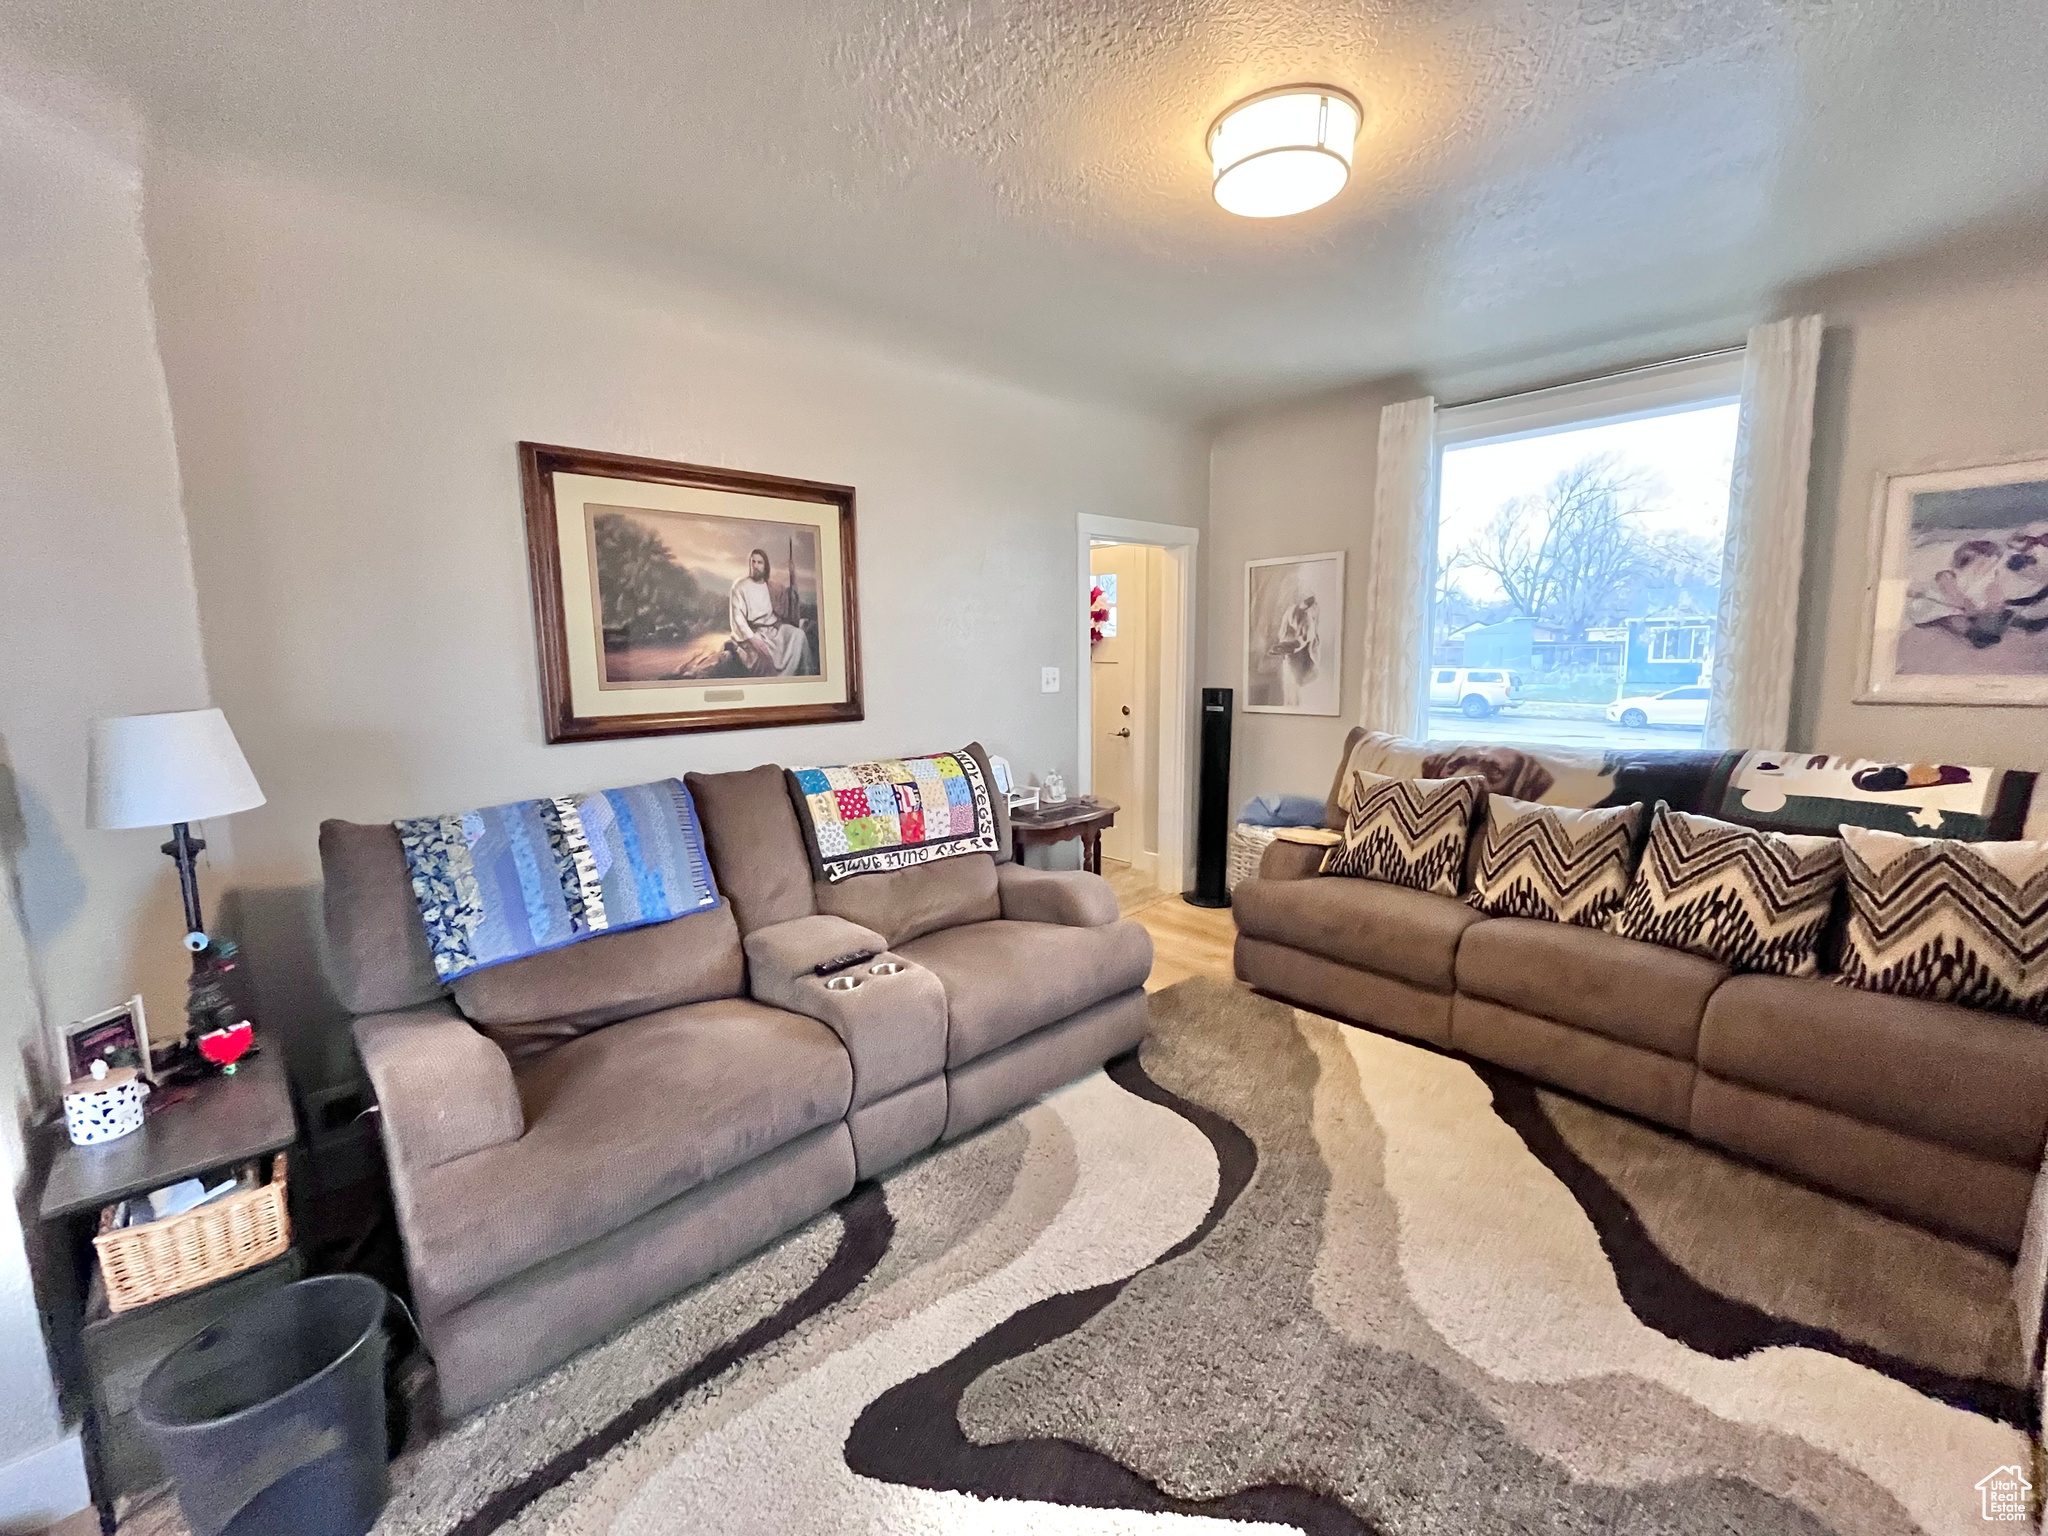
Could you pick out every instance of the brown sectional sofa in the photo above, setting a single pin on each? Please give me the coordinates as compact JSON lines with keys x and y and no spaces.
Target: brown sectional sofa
{"x":1935,"y":1113}
{"x":577,"y":1136}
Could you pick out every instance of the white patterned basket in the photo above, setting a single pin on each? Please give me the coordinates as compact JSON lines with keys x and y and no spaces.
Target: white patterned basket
{"x":1248,"y":845}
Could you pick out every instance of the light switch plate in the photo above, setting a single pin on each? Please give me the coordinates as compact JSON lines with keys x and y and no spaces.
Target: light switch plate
{"x":1049,"y":680}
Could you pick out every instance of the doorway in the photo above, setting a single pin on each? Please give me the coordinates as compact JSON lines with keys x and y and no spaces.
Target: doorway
{"x":1134,"y":720}
{"x":1123,"y":668}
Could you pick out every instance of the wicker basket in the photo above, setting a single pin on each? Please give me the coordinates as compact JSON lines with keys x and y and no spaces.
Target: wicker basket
{"x":181,"y":1253}
{"x":1247,"y":846}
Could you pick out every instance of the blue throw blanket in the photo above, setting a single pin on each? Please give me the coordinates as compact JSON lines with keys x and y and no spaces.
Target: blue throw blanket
{"x":515,"y":880}
{"x":1281,"y":811}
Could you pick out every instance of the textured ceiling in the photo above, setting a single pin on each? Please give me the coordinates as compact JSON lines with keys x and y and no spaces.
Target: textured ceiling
{"x":1021,"y":184}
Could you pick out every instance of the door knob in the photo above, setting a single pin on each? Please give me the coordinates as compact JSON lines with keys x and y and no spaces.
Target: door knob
{"x":1125,"y":732}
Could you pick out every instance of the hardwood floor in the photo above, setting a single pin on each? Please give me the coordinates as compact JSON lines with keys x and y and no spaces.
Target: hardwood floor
{"x":1133,"y":889}
{"x":1186,"y":941}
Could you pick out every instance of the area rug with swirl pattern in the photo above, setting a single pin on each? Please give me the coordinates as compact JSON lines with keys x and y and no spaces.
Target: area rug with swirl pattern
{"x":1275,"y":1273}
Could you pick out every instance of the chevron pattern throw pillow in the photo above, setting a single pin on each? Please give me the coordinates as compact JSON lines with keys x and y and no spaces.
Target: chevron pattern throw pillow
{"x":1755,"y":901}
{"x":1952,"y":922}
{"x":1407,"y":831}
{"x":1553,"y":862}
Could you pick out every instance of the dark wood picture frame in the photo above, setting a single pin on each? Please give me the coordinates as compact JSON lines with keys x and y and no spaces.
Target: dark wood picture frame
{"x":539,"y":463}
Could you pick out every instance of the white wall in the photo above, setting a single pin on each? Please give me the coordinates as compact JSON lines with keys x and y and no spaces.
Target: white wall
{"x":1928,"y":363}
{"x":1940,"y":360}
{"x":1292,"y":480}
{"x":349,"y":379}
{"x":97,"y":616}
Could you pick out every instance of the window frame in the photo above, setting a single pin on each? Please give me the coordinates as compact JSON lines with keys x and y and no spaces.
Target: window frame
{"x":1714,"y":378}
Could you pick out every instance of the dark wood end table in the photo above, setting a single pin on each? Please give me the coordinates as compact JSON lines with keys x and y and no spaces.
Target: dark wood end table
{"x":227,"y":1121}
{"x":1085,"y":819}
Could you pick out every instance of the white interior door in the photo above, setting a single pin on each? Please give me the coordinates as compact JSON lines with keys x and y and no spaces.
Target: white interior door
{"x":1172,"y":556}
{"x":1120,"y":668}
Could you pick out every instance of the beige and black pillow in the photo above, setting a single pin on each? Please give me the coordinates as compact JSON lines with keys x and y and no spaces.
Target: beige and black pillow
{"x":1755,"y":901}
{"x":1553,"y":862}
{"x":1948,"y":921}
{"x":1407,"y":831}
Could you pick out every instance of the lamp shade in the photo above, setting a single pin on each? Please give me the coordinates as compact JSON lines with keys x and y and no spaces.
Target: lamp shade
{"x":158,"y":770}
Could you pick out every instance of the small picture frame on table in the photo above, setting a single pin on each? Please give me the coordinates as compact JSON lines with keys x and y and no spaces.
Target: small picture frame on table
{"x":119,"y":1037}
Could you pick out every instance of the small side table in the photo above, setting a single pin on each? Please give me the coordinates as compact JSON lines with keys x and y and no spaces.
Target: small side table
{"x":226,"y":1122}
{"x":1085,"y":819}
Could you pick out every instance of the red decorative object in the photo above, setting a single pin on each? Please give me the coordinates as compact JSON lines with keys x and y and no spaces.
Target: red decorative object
{"x":1098,"y":613}
{"x":225,"y":1047}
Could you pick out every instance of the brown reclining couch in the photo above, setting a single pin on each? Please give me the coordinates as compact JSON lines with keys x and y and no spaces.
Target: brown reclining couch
{"x":579,"y":1135}
{"x":1932,"y":1112}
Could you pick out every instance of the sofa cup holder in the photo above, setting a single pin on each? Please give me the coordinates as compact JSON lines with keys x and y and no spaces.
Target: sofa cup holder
{"x":843,"y":983}
{"x":887,"y":968}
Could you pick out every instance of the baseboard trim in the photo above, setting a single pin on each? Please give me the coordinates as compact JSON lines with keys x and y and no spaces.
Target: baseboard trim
{"x":43,"y":1488}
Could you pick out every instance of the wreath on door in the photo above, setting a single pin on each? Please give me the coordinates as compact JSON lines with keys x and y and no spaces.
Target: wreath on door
{"x":1098,"y":613}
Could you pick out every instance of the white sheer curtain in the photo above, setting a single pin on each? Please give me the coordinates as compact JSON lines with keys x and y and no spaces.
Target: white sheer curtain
{"x":1751,"y":702}
{"x":1397,"y":589}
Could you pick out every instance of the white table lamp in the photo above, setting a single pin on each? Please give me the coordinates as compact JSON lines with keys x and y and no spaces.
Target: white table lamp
{"x":169,"y":770}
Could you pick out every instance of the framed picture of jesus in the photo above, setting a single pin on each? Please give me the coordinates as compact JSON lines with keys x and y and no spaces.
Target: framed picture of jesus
{"x":673,"y":597}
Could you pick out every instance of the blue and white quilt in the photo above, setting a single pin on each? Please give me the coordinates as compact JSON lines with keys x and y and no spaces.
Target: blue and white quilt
{"x":520,"y":879}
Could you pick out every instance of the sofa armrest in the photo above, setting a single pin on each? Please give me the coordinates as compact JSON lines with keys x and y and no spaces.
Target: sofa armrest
{"x":444,"y":1089}
{"x":1072,"y":898}
{"x":1285,"y":859}
{"x":893,"y":1024}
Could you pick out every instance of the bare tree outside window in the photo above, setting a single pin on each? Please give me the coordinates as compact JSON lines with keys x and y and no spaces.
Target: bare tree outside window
{"x":1565,"y":555}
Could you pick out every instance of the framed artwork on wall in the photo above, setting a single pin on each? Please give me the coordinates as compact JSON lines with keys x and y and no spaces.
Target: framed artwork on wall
{"x":1956,"y":599}
{"x":671,"y":597}
{"x":1294,"y":634}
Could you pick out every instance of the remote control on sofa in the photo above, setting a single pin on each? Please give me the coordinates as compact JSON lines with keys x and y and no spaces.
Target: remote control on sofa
{"x":844,"y":962}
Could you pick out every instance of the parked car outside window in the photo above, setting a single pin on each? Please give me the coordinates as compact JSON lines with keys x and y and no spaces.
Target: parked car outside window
{"x":1476,"y":692}
{"x":1675,"y":706}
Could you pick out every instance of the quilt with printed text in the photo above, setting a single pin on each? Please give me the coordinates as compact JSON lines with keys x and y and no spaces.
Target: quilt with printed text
{"x":523,"y":878}
{"x":861,"y":818}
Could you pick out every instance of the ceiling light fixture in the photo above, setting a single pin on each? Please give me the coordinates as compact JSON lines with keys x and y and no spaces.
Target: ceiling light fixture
{"x":1284,"y":151}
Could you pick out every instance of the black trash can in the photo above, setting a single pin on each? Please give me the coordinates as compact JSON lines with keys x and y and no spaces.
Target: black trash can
{"x":271,"y":1422}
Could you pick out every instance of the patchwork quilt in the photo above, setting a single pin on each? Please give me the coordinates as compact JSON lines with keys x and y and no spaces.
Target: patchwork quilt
{"x":861,"y":818}
{"x":520,"y":879}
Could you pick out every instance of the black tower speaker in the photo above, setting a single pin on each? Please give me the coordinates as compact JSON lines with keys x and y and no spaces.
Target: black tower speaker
{"x":1212,"y":803}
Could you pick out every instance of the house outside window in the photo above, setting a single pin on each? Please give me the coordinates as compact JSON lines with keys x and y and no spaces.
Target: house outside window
{"x":1683,"y":640}
{"x":1577,"y":551}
